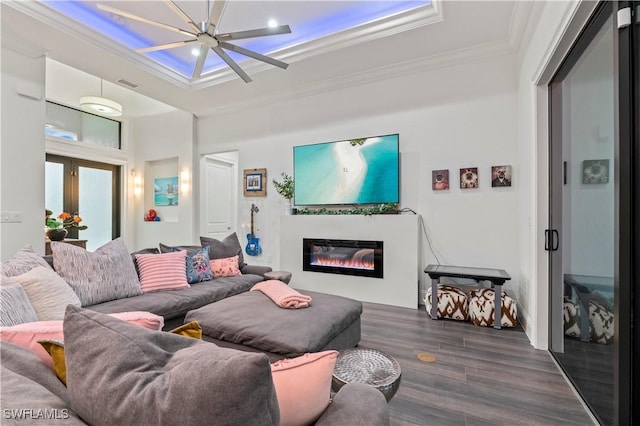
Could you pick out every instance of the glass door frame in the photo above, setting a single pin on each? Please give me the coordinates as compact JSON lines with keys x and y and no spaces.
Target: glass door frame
{"x":71,"y":187}
{"x":627,"y":201}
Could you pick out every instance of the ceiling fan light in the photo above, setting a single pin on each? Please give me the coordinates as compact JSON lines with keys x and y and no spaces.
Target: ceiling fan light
{"x":101,"y":106}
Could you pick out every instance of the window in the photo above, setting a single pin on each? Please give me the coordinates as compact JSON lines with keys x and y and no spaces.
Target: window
{"x":88,"y":188}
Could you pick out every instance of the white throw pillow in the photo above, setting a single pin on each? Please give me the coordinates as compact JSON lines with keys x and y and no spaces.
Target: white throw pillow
{"x":48,"y":293}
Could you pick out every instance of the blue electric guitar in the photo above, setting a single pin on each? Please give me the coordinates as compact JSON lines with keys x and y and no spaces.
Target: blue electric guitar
{"x":253,"y":243}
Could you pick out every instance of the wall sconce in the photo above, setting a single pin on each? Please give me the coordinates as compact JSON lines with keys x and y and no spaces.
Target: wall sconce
{"x":184,"y":181}
{"x":137,"y":184}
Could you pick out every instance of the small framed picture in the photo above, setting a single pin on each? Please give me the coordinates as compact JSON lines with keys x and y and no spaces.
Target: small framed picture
{"x":439,"y":179}
{"x":595,"y":171}
{"x":165,"y":191}
{"x":500,"y":176}
{"x":254,"y":183}
{"x":469,"y":178}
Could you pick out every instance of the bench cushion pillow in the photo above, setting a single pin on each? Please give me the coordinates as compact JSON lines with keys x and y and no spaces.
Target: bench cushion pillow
{"x":178,"y":380}
{"x":106,"y":274}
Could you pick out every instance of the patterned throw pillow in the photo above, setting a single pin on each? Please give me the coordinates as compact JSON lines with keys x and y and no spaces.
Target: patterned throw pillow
{"x":165,"y":271}
{"x":105,"y":274}
{"x":452,"y":303}
{"x":48,"y":293}
{"x":23,"y":261}
{"x":227,"y":267}
{"x":482,"y":308}
{"x":198,"y":266}
{"x":229,"y":246}
{"x":15,"y":307}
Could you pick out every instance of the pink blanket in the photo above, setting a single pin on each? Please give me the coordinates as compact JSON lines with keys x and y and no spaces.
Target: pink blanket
{"x":282,"y":295}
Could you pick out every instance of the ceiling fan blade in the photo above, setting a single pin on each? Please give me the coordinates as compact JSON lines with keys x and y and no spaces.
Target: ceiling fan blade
{"x":145,"y":20}
{"x":254,"y":55}
{"x":234,"y":66}
{"x":182,"y":15}
{"x":216,"y":14}
{"x":261,"y":32}
{"x":165,"y":46}
{"x":197,"y":72}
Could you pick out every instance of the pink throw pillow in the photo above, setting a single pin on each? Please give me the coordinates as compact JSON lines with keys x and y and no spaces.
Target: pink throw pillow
{"x":28,"y":334}
{"x":226,"y":267}
{"x":303,"y":386}
{"x":166,"y":271}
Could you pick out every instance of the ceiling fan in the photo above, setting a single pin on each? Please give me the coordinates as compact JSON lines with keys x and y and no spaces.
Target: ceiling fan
{"x":205,"y":34}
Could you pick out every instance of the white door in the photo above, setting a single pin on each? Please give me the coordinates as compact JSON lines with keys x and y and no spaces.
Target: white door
{"x":219,"y":195}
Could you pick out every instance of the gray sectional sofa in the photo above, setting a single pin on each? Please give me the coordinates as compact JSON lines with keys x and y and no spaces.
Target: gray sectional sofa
{"x":31,"y":390}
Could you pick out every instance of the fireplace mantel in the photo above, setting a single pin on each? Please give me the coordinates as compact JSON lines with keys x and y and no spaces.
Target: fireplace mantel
{"x":400,"y":234}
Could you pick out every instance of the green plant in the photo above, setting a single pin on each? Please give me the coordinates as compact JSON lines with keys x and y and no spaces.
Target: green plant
{"x":365,"y":210}
{"x":284,"y":188}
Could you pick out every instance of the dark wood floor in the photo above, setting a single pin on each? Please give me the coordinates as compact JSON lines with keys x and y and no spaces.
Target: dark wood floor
{"x":481,"y":376}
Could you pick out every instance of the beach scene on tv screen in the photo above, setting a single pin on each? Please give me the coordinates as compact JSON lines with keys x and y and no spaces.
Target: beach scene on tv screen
{"x":356,"y":171}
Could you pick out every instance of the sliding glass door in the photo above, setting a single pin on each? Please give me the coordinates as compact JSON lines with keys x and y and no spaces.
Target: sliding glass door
{"x":593,"y":215}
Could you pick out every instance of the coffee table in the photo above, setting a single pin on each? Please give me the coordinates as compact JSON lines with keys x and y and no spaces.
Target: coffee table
{"x":497,"y":277}
{"x":368,"y":366}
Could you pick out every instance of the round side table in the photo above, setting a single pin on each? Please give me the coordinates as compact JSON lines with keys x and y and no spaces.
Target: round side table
{"x":368,"y":366}
{"x":284,"y":276}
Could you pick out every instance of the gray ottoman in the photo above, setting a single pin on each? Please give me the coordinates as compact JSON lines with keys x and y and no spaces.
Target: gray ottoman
{"x":252,"y":322}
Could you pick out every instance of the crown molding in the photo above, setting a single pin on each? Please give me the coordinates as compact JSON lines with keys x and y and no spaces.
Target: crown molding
{"x":386,"y":72}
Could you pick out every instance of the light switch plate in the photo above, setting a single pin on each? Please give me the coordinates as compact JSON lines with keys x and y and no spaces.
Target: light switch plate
{"x":11,"y":217}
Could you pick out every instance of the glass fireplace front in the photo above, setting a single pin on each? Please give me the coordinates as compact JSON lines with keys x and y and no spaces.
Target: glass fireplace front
{"x":347,"y":257}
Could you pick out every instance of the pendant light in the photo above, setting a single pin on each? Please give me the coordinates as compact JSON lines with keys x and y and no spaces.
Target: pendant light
{"x":100,"y":105}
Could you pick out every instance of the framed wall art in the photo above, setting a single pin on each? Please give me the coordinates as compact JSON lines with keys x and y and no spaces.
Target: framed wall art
{"x":439,"y":179}
{"x":469,"y":178}
{"x":255,"y":182}
{"x":595,"y":171}
{"x":500,"y":176}
{"x":165,"y":191}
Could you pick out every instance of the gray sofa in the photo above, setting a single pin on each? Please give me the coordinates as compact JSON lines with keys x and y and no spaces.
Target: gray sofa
{"x":177,"y":380}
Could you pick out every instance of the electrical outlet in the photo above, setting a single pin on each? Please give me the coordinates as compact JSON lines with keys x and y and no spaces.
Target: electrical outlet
{"x":11,"y":217}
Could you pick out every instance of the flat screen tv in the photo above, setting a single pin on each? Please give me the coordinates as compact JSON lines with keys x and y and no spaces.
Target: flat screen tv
{"x":356,"y":171}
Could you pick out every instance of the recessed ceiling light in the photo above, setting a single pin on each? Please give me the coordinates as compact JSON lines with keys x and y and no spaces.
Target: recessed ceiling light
{"x":272,"y":23}
{"x":195,"y":51}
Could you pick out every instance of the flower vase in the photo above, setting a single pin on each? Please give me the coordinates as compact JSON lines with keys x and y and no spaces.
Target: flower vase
{"x":57,"y":234}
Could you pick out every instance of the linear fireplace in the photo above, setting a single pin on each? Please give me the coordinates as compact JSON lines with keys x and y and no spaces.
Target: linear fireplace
{"x":347,"y":257}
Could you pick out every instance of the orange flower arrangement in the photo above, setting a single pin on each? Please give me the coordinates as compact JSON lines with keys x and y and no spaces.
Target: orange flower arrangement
{"x":68,"y":221}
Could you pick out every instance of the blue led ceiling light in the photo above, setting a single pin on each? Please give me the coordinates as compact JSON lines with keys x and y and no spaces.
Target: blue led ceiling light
{"x":231,"y":48}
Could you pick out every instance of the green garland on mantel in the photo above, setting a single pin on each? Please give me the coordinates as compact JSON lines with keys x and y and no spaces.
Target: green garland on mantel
{"x":367,"y":211}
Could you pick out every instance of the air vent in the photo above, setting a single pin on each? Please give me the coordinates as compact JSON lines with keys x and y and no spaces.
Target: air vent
{"x":127,"y":83}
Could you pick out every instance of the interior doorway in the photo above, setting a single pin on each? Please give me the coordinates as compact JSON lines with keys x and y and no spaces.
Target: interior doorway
{"x":219,"y":194}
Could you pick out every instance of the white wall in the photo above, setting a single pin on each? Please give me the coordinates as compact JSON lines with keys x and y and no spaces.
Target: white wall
{"x":454,"y":117}
{"x":163,"y":144}
{"x":22,"y":151}
{"x":551,"y":29}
